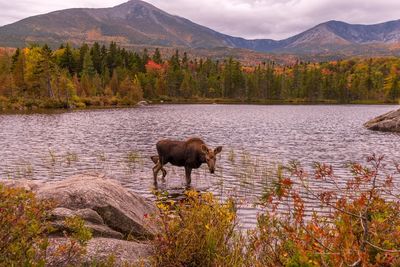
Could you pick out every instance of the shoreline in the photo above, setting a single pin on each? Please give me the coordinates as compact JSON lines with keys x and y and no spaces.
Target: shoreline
{"x":192,"y":101}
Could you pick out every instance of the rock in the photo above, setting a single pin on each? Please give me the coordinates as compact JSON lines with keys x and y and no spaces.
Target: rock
{"x":98,"y":250}
{"x":108,"y":209}
{"x":388,"y":122}
{"x":142,"y":103}
{"x":28,"y":185}
{"x":98,"y":230}
{"x":120,"y":210}
{"x":125,"y":252}
{"x":92,"y":220}
{"x":85,"y":214}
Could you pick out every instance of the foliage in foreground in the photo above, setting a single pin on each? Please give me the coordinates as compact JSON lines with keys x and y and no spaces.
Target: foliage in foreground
{"x":198,"y":232}
{"x":360,"y":226}
{"x":24,"y":230}
{"x":356,"y":222}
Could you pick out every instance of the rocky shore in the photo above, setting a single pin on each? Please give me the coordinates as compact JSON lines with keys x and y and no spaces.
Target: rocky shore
{"x":117,"y":218}
{"x":388,"y":122}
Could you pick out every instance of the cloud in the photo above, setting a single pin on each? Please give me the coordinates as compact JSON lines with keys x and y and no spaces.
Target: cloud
{"x":276,"y":19}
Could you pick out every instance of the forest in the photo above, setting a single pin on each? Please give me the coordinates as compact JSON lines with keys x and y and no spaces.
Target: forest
{"x":98,"y":75}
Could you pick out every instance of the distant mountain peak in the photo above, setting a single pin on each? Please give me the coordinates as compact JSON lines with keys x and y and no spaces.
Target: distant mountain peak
{"x":132,"y":4}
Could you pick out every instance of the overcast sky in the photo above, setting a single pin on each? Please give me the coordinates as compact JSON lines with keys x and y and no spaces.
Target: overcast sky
{"x":276,"y":19}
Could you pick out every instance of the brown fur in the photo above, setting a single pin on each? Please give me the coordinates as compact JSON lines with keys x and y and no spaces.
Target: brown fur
{"x":189,"y":154}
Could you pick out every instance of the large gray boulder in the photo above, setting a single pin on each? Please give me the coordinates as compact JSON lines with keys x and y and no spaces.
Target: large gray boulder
{"x":388,"y":122}
{"x":104,"y":204}
{"x":107,"y":207}
{"x":113,"y":214}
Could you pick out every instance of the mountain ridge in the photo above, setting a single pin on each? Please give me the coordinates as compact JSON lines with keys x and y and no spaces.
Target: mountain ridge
{"x":139,"y":23}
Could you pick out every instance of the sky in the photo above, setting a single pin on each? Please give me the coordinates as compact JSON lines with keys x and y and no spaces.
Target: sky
{"x":273,"y":19}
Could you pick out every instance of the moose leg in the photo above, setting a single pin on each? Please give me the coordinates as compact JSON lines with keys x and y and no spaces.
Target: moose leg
{"x":156,"y":169}
{"x":164,"y":173}
{"x":156,"y":160}
{"x":188,"y":172}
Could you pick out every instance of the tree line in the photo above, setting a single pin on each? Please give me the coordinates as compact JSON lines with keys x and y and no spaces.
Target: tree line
{"x":113,"y":74}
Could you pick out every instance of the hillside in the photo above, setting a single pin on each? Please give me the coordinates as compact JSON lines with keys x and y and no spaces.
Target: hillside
{"x":137,"y":23}
{"x":132,"y":23}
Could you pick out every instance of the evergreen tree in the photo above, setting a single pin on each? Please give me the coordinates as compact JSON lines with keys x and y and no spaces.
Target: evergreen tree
{"x":114,"y":83}
{"x":88,"y":66}
{"x":67,"y":60}
{"x":157,"y":57}
{"x":18,"y":71}
{"x":96,"y":57}
{"x":186,"y":86}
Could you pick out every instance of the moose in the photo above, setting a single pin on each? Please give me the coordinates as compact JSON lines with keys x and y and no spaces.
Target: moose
{"x":189,"y":154}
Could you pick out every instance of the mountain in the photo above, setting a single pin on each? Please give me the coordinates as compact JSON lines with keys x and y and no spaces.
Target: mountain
{"x":337,"y":35}
{"x":132,"y":23}
{"x":137,"y":23}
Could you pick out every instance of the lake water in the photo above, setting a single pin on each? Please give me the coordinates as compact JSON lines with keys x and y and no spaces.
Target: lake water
{"x":255,"y":140}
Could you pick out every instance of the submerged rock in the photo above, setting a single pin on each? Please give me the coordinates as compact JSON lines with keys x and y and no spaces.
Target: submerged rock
{"x":388,"y":122}
{"x":142,"y":103}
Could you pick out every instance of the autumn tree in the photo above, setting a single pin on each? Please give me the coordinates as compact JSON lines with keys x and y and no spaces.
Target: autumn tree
{"x":6,"y":81}
{"x":392,"y":84}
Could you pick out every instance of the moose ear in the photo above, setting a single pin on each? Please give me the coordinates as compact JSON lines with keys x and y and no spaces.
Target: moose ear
{"x":204,"y":149}
{"x":218,"y":150}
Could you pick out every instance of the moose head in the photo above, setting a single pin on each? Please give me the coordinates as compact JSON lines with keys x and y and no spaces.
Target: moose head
{"x":210,"y":156}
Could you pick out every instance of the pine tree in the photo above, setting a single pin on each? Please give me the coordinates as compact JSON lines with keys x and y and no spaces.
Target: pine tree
{"x":18,"y":71}
{"x":84,"y":49}
{"x":157,"y":57}
{"x":161,"y":86}
{"x":46,"y":67}
{"x":114,"y":83}
{"x":96,"y":57}
{"x":186,"y":86}
{"x":88,"y":66}
{"x":67,"y":60}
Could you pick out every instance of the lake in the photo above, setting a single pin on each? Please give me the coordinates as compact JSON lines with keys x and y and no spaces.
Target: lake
{"x":255,"y":140}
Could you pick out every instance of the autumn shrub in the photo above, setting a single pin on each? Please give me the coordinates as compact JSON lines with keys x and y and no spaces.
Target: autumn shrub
{"x":23,"y":228}
{"x":76,"y":102}
{"x":355,"y":222}
{"x":198,"y":231}
{"x":310,"y":218}
{"x":4,"y":103}
{"x":24,"y":231}
{"x":52,"y":104}
{"x":70,"y":250}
